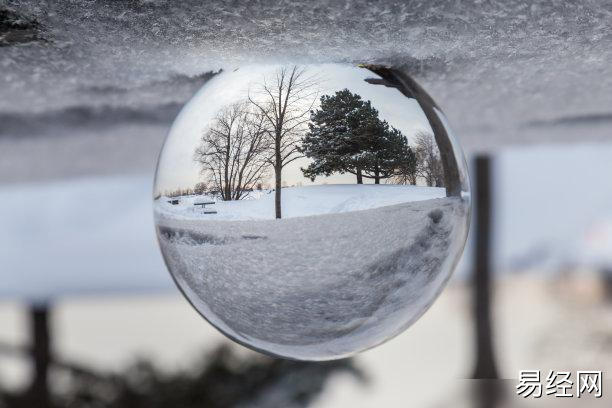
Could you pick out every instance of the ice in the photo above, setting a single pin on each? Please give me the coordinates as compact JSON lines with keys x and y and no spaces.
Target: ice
{"x":510,"y":72}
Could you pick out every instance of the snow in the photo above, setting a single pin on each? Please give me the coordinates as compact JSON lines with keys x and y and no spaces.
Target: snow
{"x":96,"y":234}
{"x":78,"y":237}
{"x":332,"y":279}
{"x":594,"y":246}
{"x":298,"y":201}
{"x":553,"y":207}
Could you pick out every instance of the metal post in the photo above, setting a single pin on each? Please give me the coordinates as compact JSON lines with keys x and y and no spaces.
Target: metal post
{"x":485,"y":367}
{"x":488,"y":391}
{"x":41,"y":354}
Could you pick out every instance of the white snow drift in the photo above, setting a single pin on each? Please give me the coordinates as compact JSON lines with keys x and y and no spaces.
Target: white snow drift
{"x":298,"y":201}
{"x":316,"y":286}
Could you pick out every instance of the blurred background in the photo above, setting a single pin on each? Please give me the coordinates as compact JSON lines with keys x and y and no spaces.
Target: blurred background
{"x":89,"y":316}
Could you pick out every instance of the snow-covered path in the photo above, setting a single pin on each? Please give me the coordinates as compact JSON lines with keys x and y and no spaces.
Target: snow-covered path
{"x":320,"y":286}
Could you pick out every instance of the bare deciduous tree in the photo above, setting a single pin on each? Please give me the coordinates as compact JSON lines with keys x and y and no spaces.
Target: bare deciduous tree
{"x":284,"y":102}
{"x":200,"y":188}
{"x":233,"y":153}
{"x":428,"y":159}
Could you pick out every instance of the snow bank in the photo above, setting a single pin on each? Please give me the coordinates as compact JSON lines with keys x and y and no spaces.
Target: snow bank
{"x":299,"y":201}
{"x":319,"y":286}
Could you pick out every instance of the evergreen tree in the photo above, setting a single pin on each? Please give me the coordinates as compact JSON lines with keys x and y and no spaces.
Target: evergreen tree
{"x":407,"y":169}
{"x":346,"y":135}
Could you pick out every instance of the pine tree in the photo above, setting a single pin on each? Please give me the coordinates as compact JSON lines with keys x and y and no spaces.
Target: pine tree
{"x":346,"y":135}
{"x":407,"y":169}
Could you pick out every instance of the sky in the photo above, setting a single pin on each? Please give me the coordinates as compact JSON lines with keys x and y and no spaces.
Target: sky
{"x":176,"y":167}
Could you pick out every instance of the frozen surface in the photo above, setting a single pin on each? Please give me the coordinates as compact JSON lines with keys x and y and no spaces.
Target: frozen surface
{"x":554,"y":207}
{"x":97,"y":234}
{"x":317,"y":286}
{"x":78,"y":237}
{"x":504,"y":72}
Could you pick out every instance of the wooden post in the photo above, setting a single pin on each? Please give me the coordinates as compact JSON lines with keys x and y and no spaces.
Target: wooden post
{"x":41,"y":354}
{"x":485,"y":367}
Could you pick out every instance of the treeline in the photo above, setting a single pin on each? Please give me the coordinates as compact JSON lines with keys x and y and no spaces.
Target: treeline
{"x":202,"y":188}
{"x":178,"y":192}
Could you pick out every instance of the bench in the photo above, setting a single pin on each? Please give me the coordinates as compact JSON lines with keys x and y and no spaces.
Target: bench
{"x":203,"y":204}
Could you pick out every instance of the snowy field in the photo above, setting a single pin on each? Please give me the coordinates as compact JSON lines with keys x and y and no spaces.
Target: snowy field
{"x":324,"y":285}
{"x":298,"y":201}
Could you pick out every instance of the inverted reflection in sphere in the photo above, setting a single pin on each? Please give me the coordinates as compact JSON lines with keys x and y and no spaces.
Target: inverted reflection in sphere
{"x":311,"y":212}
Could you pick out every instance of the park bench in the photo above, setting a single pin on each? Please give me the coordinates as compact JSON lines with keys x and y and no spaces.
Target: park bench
{"x":203,"y":204}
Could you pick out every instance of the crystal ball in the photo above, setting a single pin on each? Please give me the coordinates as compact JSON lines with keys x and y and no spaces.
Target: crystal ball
{"x":311,"y":211}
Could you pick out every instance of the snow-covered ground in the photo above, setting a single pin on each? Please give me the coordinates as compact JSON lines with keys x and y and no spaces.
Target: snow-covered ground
{"x":553,"y":207}
{"x":298,"y":201}
{"x":318,"y":286}
{"x":79,"y":237}
{"x":95,"y":234}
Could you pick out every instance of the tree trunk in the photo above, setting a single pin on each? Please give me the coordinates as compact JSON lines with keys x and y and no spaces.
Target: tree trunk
{"x":406,"y":85}
{"x":376,"y":176}
{"x":277,"y":191}
{"x":359,"y":176}
{"x":278,"y":168}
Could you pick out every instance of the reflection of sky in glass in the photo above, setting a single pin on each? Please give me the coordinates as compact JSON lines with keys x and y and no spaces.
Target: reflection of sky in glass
{"x":177,"y":168}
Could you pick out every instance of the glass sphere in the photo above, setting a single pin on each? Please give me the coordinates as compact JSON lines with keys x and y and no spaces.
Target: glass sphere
{"x":311,"y":211}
